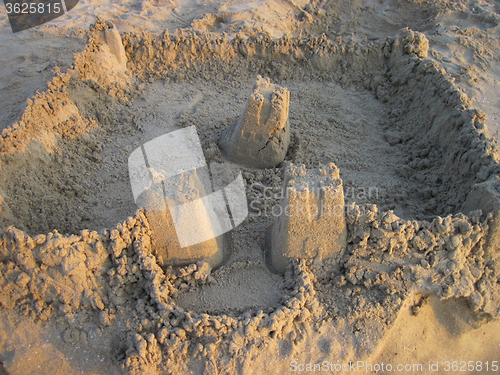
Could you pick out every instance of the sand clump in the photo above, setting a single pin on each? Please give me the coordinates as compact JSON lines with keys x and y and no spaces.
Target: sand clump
{"x":111,"y":279}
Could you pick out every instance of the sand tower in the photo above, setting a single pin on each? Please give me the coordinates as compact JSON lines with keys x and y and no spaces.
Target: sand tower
{"x":180,"y":221}
{"x":187,"y":210}
{"x":106,"y":34}
{"x":260,"y":137}
{"x":313,"y":204}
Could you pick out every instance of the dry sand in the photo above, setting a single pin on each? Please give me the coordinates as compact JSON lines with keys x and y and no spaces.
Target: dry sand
{"x":418,"y":282}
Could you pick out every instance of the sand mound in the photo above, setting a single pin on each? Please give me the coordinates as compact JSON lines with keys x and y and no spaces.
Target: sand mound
{"x":406,"y":140}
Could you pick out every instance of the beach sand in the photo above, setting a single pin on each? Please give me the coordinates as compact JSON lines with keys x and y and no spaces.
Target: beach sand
{"x":385,"y":90}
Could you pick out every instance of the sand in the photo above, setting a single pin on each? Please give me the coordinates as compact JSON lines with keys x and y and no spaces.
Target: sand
{"x":401,"y":96}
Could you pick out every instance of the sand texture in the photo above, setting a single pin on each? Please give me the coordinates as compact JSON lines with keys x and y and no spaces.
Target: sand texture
{"x":372,"y":186}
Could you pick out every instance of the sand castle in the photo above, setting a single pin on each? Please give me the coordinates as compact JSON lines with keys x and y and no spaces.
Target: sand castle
{"x":313,"y":200}
{"x":111,"y":280}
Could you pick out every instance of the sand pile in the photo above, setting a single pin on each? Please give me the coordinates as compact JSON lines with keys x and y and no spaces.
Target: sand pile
{"x":391,"y":120}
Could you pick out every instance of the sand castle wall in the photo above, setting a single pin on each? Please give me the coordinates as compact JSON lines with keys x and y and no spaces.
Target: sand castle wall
{"x":174,"y":55}
{"x":105,"y":273}
{"x":444,"y":135}
{"x":431,"y":109}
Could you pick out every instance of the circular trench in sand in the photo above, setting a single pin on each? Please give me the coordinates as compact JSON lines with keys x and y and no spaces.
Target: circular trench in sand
{"x":380,"y":131}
